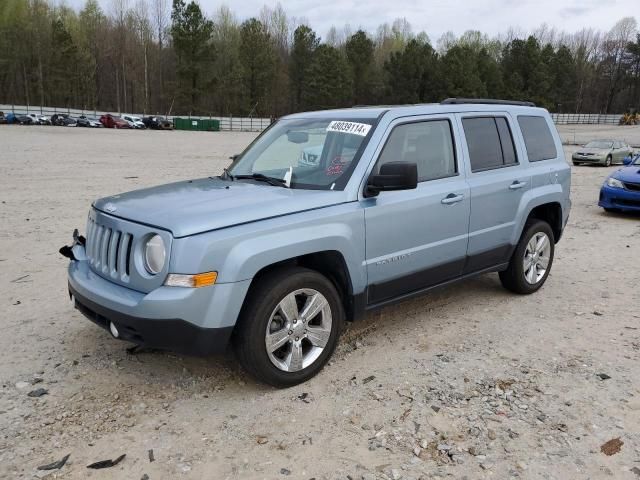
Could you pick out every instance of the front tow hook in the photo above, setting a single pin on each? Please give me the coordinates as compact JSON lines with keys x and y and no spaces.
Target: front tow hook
{"x":67,"y":250}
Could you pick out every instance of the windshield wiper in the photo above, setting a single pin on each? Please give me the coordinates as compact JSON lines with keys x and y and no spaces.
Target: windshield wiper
{"x":277,"y":182}
{"x":227,"y":175}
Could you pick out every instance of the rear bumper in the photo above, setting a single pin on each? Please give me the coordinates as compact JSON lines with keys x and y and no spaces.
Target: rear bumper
{"x":619,"y":198}
{"x":172,"y":334}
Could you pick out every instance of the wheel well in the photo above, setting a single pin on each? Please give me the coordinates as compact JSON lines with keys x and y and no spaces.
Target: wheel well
{"x":552,"y":214}
{"x":329,"y":263}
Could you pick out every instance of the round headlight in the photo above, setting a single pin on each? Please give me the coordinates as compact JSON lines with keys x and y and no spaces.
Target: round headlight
{"x":154,"y":255}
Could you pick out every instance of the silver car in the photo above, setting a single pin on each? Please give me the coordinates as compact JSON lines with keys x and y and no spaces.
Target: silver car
{"x":602,"y":152}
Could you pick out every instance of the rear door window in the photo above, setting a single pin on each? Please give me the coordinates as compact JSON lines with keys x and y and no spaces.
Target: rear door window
{"x":537,"y":138}
{"x":490,"y":143}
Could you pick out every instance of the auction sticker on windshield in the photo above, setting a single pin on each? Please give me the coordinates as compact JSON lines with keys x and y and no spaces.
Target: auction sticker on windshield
{"x":349,"y":127}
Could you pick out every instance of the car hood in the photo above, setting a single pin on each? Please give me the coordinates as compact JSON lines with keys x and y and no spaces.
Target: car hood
{"x":196,"y":206}
{"x":597,"y":151}
{"x":629,"y":174}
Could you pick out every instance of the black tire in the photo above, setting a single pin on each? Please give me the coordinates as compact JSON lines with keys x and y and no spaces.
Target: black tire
{"x":608,"y":161}
{"x":611,"y":210}
{"x":262,"y":300}
{"x":513,"y":278}
{"x":577,"y":164}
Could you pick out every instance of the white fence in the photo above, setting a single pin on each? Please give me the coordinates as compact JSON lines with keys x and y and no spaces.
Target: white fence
{"x":585,"y":118}
{"x":238,"y":124}
{"x":250,"y":124}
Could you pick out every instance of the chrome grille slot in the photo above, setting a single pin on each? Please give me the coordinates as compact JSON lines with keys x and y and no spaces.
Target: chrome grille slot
{"x":123,"y":257}
{"x":113,"y":248}
{"x":104,"y":249}
{"x":128,"y":258}
{"x":108,"y":250}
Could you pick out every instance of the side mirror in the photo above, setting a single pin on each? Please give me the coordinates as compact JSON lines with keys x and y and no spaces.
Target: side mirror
{"x":626,"y":161}
{"x":233,"y":157}
{"x":297,"y":136}
{"x":393,"y":176}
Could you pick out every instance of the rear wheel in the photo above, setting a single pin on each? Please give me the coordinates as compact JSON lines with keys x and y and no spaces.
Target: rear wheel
{"x":289,"y":326}
{"x":531,"y":261}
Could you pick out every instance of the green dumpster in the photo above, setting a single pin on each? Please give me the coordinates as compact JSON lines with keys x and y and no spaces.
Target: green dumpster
{"x":201,"y":124}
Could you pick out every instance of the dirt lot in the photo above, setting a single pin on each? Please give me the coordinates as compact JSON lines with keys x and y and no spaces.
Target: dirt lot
{"x":581,"y":134}
{"x":468,"y":382}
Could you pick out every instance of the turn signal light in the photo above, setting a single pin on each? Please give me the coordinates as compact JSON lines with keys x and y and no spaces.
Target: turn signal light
{"x":191,"y":281}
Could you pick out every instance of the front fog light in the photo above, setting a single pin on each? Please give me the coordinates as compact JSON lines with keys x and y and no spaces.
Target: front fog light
{"x":191,"y":281}
{"x":154,"y":255}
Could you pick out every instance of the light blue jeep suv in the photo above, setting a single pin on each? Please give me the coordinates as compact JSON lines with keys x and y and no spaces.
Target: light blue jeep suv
{"x":276,"y":254}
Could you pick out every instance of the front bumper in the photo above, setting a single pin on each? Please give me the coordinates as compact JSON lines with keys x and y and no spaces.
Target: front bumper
{"x":589,"y":159}
{"x":196,"y":321}
{"x":172,"y":334}
{"x":619,"y":198}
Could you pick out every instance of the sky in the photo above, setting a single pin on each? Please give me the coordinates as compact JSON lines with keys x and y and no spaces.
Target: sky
{"x":436,"y":17}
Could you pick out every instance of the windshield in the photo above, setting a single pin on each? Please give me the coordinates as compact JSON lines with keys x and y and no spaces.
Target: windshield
{"x":320,"y":153}
{"x":599,"y":144}
{"x":636,"y":160}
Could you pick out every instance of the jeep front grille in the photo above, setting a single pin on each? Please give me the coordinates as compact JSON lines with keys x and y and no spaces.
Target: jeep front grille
{"x":109,"y":250}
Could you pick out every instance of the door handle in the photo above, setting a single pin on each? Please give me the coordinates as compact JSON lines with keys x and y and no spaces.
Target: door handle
{"x":452,"y":198}
{"x":516,"y":185}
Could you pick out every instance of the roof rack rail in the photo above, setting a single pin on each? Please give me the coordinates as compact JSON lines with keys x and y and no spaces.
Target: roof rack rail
{"x":486,"y":101}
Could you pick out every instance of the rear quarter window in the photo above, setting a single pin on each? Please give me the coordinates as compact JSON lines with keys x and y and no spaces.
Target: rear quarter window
{"x":537,"y":138}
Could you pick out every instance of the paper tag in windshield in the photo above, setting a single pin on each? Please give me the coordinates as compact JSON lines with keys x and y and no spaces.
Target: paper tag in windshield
{"x":349,"y":127}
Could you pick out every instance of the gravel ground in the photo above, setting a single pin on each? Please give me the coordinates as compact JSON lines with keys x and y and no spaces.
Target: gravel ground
{"x":581,"y":134}
{"x":467,"y":382}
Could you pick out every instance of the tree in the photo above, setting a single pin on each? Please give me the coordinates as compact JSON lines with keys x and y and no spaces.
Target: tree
{"x":64,"y":62}
{"x":329,"y":83}
{"x":412,"y":74}
{"x":257,"y":59}
{"x":359,"y":48}
{"x":227,"y":68}
{"x":191,"y":33}
{"x":633,"y":66}
{"x":614,"y":47}
{"x":305,"y":43}
{"x":461,"y":69}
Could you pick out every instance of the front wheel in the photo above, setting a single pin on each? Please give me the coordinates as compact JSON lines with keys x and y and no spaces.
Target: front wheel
{"x":607,"y":162}
{"x":289,"y":326}
{"x":531,"y":261}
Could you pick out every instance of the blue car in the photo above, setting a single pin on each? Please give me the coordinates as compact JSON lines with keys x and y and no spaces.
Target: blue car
{"x":621,"y":190}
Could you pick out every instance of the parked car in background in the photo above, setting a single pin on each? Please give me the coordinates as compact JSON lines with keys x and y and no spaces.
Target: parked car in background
{"x":3,"y":119}
{"x":84,"y":121}
{"x":134,"y":122}
{"x":158,"y":123}
{"x":63,"y":120}
{"x":621,"y":190}
{"x":274,"y":256}
{"x":602,"y":152}
{"x":112,"y":121}
{"x":24,"y":119}
{"x":40,"y":119}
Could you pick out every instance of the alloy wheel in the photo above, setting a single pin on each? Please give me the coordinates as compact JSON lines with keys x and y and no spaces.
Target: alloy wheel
{"x":298,"y":330}
{"x":536,"y":258}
